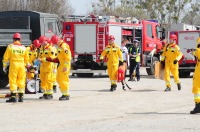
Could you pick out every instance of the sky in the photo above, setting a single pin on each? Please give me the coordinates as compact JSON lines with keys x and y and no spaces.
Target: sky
{"x":81,"y":7}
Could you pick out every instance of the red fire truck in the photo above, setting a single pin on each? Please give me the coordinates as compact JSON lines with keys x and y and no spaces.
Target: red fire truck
{"x":88,"y":36}
{"x":187,"y":36}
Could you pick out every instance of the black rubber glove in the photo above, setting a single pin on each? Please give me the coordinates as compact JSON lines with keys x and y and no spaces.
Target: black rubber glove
{"x":175,"y":61}
{"x":120,"y":63}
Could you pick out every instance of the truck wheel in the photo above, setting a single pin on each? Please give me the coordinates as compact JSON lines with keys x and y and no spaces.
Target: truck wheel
{"x":151,"y":69}
{"x":85,"y":74}
{"x":184,"y":74}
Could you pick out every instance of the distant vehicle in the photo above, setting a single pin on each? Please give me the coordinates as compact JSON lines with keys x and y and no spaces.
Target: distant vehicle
{"x":31,"y":25}
{"x":88,"y":36}
{"x":187,"y":42}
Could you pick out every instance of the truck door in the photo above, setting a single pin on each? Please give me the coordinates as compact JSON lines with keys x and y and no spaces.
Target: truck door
{"x":157,"y":36}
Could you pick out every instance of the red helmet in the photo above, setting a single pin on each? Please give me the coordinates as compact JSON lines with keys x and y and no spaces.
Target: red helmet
{"x":17,"y":36}
{"x":42,"y":39}
{"x":54,"y":39}
{"x":173,"y":37}
{"x":111,"y":37}
{"x":163,"y":43}
{"x":49,"y":40}
{"x":36,"y":43}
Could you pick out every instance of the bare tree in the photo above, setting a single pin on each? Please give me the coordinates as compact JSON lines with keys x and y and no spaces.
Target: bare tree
{"x":59,"y":7}
{"x":192,"y":15}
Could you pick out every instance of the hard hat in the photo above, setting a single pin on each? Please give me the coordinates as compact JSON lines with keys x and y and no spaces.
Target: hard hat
{"x":173,"y":37}
{"x":111,"y":37}
{"x":17,"y":36}
{"x":54,"y":39}
{"x":36,"y":43}
{"x":135,"y":40}
{"x":49,"y":40}
{"x":42,"y":39}
{"x":163,"y":43}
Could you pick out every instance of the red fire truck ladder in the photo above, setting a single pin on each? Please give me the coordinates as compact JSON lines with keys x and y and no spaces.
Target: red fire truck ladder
{"x":101,"y":33}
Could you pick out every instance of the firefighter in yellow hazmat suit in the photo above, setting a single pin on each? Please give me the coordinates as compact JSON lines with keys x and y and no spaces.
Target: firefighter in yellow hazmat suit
{"x":64,"y":60}
{"x":33,"y":54}
{"x":54,"y":67}
{"x":17,"y":57}
{"x":114,"y":55}
{"x":196,"y":83}
{"x":170,"y":56}
{"x":46,"y":68}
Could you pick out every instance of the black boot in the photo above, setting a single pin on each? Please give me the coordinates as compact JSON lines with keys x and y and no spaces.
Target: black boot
{"x":21,"y":97}
{"x":43,"y":96}
{"x":115,"y":86}
{"x":167,"y":89}
{"x":12,"y":98}
{"x":49,"y":96}
{"x":112,"y":88}
{"x":54,"y":89}
{"x":64,"y":97}
{"x":179,"y":86}
{"x":196,"y":109}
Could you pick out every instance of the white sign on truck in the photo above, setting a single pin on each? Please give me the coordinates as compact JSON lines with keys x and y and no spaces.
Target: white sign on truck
{"x":187,"y":41}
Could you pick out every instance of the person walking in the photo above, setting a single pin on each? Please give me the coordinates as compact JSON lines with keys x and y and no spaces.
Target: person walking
{"x":170,"y":57}
{"x":114,"y":55}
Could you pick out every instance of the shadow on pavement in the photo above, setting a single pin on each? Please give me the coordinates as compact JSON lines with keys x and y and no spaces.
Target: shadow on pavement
{"x":104,"y":90}
{"x":144,"y":90}
{"x":157,"y":113}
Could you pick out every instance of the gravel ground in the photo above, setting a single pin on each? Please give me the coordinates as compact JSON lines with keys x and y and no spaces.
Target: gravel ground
{"x":93,"y":108}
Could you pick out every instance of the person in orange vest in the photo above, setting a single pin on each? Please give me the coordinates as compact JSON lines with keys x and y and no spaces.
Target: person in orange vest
{"x":16,"y":56}
{"x":63,"y":71}
{"x":170,"y":56}
{"x":114,"y":55}
{"x":196,"y":83}
{"x":46,"y":68}
{"x":33,"y":54}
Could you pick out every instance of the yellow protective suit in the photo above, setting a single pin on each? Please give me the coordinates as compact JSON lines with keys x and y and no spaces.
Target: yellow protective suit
{"x":17,"y":55}
{"x":196,"y":76}
{"x":113,"y":54}
{"x":46,"y":69}
{"x":55,"y":67}
{"x":64,"y":56}
{"x":170,"y":53}
{"x":32,"y":57}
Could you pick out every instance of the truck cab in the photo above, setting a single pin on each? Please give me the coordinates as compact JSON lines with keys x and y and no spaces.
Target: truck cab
{"x":31,"y":25}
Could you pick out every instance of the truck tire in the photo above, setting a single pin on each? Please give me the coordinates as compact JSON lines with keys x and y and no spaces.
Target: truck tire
{"x":151,"y":69}
{"x":184,"y":74}
{"x":85,"y":74}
